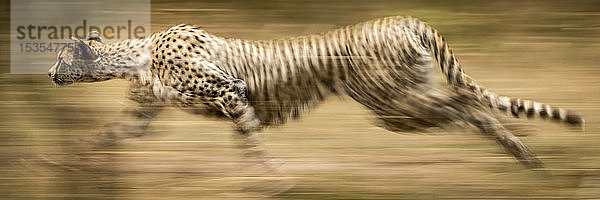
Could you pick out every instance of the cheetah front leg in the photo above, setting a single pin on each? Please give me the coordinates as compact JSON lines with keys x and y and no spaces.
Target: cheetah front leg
{"x":229,"y":96}
{"x":209,"y":86}
{"x":240,"y":111}
{"x":137,"y":118}
{"x":234,"y":104}
{"x":255,"y":159}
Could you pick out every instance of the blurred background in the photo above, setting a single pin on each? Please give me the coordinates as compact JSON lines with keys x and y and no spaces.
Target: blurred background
{"x":542,"y":50}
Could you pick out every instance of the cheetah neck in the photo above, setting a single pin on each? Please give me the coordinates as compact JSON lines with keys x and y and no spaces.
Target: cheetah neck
{"x":127,"y":59}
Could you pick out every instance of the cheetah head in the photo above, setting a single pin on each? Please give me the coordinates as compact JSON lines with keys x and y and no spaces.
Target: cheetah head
{"x":77,"y":62}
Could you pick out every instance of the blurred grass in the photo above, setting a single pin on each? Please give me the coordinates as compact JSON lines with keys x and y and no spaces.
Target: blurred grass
{"x":543,"y":50}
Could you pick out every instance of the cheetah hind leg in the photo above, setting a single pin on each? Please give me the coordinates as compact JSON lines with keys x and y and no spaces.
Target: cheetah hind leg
{"x":471,"y":111}
{"x":462,"y":108}
{"x":491,"y":127}
{"x":422,"y":110}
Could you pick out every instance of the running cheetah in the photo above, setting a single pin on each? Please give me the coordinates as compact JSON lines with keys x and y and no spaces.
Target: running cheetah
{"x":384,"y":64}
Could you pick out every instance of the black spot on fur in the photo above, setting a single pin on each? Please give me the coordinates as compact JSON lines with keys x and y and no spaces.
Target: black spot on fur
{"x":514,"y":107}
{"x":543,"y":113}
{"x":556,"y":114}
{"x":574,"y":119}
{"x":502,"y":107}
{"x":530,"y":112}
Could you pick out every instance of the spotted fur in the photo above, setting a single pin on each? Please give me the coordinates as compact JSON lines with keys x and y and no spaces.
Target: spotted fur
{"x":385,"y":64}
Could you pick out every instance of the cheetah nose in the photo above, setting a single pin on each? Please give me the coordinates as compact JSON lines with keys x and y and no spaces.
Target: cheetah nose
{"x":52,"y":71}
{"x":51,"y":74}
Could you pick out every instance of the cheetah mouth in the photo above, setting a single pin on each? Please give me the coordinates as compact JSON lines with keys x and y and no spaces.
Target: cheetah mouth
{"x":60,"y":81}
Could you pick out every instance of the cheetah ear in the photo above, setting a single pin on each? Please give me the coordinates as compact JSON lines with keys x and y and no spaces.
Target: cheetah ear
{"x":85,"y":52}
{"x":94,"y":35}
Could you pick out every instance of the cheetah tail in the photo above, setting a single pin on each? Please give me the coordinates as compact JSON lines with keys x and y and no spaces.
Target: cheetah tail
{"x":455,"y":76}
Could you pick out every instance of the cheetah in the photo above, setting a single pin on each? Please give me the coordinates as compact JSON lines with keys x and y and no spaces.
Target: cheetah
{"x":384,"y":64}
